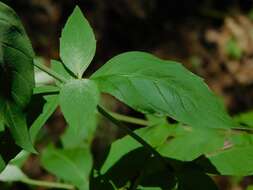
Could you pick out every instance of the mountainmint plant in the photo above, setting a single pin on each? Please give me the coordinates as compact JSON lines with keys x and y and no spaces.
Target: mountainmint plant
{"x":185,"y":155}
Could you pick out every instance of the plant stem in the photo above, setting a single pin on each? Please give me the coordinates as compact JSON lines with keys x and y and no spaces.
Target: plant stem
{"x":47,"y":184}
{"x":132,"y":134}
{"x":49,"y":71}
{"x":129,"y":119}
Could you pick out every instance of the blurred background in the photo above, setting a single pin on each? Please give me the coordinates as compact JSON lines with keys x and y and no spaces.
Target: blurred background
{"x":213,"y":38}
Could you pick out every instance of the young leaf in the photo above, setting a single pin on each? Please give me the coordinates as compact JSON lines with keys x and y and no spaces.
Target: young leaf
{"x":152,"y":85}
{"x":78,"y":101}
{"x":72,"y":165}
{"x":77,"y":43}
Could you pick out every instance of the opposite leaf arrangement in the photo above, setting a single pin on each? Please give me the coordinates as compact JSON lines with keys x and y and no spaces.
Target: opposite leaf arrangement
{"x":181,"y":156}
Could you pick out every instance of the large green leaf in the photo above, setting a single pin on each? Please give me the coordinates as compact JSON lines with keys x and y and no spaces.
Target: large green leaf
{"x":152,"y":85}
{"x":78,"y":101}
{"x":77,"y":44}
{"x":72,"y":165}
{"x":16,"y":74}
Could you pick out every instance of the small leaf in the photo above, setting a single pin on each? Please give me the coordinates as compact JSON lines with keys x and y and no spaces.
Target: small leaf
{"x":78,"y":101}
{"x":152,"y":85}
{"x":72,"y":165}
{"x":77,"y":43}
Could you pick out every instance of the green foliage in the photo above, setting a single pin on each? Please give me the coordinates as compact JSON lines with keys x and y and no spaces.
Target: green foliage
{"x":163,"y":156}
{"x":16,"y":76}
{"x":72,"y":165}
{"x":77,"y":44}
{"x":152,"y":85}
{"x":78,"y":101}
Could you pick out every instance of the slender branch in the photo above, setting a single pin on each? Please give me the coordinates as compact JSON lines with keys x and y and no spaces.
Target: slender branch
{"x":47,"y":184}
{"x":129,"y":119}
{"x":49,"y":71}
{"x":132,"y":134}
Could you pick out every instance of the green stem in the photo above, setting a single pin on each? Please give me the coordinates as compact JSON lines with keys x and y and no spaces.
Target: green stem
{"x":47,"y":184}
{"x":49,"y":71}
{"x":129,"y":119}
{"x":132,"y":134}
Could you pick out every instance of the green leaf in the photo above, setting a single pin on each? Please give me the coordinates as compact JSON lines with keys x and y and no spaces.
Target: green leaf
{"x":16,"y":58}
{"x":48,"y":109}
{"x":174,"y":141}
{"x":46,"y":89}
{"x":1,"y":121}
{"x":58,"y":67}
{"x":16,"y":74}
{"x":77,"y":43}
{"x":233,"y":161}
{"x":187,"y":144}
{"x":72,"y":165}
{"x":78,"y":101}
{"x":152,"y":85}
{"x":16,"y":121}
{"x":245,"y":118}
{"x":2,"y":164}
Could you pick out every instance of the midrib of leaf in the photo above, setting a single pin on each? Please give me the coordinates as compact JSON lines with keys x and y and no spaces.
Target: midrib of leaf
{"x":148,"y":102}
